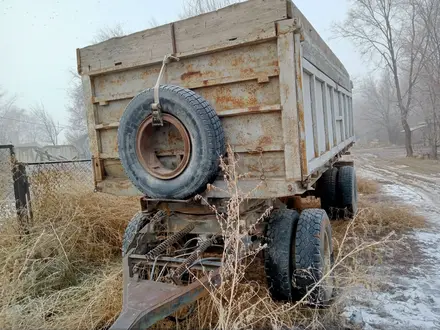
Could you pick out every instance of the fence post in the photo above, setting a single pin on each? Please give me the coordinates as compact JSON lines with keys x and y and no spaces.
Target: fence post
{"x":22,"y":196}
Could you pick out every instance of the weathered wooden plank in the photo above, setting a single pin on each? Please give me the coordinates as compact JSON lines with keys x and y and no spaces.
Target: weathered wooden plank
{"x":288,"y":98}
{"x":226,"y":99}
{"x":107,"y":126}
{"x":241,"y":23}
{"x":224,"y":113}
{"x":326,"y":110}
{"x":92,"y":116}
{"x":313,"y":108}
{"x":300,"y":104}
{"x":269,"y":188}
{"x":235,"y":65}
{"x":256,"y":131}
{"x":333,"y":114}
{"x":120,"y":53}
{"x":249,"y":110}
{"x":267,"y":164}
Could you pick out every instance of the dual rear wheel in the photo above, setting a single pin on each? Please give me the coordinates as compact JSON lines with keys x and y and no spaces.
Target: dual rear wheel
{"x":299,"y":256}
{"x":337,"y":189}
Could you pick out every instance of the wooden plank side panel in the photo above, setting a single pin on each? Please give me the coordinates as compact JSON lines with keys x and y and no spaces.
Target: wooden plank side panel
{"x":320,"y":116}
{"x":254,"y":132}
{"x":248,"y":96}
{"x":287,"y":90}
{"x":92,"y":115}
{"x":120,"y":53}
{"x":250,"y":133}
{"x":241,"y":23}
{"x":234,"y":65}
{"x":259,"y":166}
{"x":308,"y":119}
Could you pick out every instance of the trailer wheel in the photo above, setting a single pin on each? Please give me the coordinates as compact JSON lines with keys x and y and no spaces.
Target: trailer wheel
{"x":347,"y":188}
{"x":133,"y":227}
{"x":176,"y":160}
{"x":326,"y":189}
{"x":314,"y":257}
{"x":279,"y":256}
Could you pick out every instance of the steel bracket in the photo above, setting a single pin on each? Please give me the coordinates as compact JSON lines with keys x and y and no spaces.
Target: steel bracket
{"x":157,"y":114}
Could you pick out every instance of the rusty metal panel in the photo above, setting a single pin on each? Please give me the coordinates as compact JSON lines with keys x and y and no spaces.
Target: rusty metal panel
{"x":111,"y":112}
{"x":320,"y":116}
{"x":254,"y":132}
{"x":262,"y":165}
{"x":228,"y":66}
{"x":288,"y":98}
{"x":109,"y":142}
{"x":308,"y":119}
{"x":330,"y":116}
{"x":241,"y":95}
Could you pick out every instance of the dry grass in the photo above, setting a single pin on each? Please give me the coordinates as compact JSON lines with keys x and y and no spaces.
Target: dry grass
{"x":367,"y":187}
{"x":67,"y":273}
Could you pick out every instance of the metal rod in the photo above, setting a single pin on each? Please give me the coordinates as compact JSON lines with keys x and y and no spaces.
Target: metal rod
{"x":59,"y":162}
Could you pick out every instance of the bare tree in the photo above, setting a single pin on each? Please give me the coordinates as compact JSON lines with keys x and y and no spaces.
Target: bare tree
{"x":16,"y":125}
{"x":76,"y":110}
{"x":108,"y":33}
{"x":389,"y":29}
{"x":428,"y":95}
{"x":380,"y":106}
{"x":197,"y":7}
{"x":49,"y":129}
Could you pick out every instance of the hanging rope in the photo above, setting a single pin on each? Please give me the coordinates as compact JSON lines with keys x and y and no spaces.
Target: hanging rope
{"x":155,"y":107}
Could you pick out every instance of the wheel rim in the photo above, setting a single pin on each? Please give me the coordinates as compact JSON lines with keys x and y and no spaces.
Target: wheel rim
{"x":163,"y":151}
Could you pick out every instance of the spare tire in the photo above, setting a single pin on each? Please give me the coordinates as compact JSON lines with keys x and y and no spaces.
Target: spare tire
{"x":176,"y":160}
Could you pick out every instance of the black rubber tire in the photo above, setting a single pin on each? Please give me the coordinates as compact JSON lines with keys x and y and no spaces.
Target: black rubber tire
{"x":326,"y":190}
{"x":312,"y":228}
{"x":133,"y":227}
{"x":206,"y":136}
{"x":279,"y":255}
{"x":347,"y":189}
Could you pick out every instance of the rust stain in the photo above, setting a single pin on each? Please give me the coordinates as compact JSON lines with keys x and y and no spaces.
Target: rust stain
{"x":235,"y":102}
{"x":117,"y":81}
{"x":253,"y":109}
{"x":264,"y":140}
{"x":190,"y":74}
{"x":247,"y":72}
{"x":275,"y":63}
{"x":205,"y":82}
{"x":237,"y":61}
{"x":147,"y":73}
{"x":255,"y":168}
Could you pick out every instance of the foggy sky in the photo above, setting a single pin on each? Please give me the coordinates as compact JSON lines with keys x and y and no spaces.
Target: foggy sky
{"x":38,"y":40}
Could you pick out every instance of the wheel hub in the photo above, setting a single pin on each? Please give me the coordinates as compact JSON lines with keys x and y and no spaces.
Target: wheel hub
{"x":163,"y":151}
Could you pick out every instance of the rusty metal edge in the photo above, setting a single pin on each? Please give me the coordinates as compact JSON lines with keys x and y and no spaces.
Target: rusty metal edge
{"x":177,"y":300}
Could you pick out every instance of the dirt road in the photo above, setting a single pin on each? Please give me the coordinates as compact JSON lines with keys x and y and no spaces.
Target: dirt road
{"x":410,"y":295}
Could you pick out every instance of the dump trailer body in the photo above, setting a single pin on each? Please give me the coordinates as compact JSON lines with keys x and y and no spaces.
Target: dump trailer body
{"x":283,"y":97}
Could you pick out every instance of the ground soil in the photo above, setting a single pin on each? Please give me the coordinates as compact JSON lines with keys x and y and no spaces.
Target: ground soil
{"x":409,"y":294}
